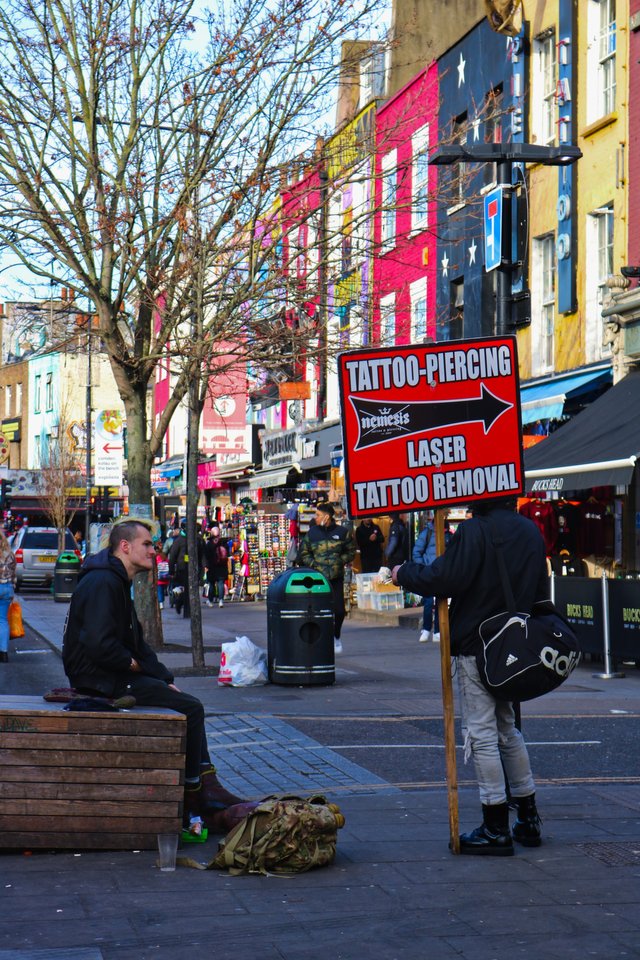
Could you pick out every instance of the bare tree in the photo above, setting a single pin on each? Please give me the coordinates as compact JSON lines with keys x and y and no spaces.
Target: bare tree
{"x":119,"y":143}
{"x":59,"y":473}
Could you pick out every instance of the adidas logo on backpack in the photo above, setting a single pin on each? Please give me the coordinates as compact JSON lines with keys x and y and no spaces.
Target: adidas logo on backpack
{"x":511,"y":659}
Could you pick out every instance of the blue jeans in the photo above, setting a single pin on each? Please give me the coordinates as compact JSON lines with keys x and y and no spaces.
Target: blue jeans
{"x":6,"y":596}
{"x":216,"y":582}
{"x":430,"y":614}
{"x":492,"y":739}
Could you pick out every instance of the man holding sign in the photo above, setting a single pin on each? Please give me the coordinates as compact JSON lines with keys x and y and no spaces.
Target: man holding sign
{"x":468,"y":573}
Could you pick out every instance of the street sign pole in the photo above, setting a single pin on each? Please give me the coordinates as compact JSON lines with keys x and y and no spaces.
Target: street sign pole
{"x":448,"y":712}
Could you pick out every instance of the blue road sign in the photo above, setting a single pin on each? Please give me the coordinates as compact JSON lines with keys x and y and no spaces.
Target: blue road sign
{"x":493,"y":229}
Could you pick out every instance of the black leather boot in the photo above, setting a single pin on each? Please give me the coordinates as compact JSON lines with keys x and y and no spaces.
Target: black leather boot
{"x":526,"y":829}
{"x":492,"y":838}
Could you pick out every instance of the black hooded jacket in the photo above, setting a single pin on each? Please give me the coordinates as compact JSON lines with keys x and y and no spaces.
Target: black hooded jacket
{"x":102,"y":633}
{"x":468,"y":573}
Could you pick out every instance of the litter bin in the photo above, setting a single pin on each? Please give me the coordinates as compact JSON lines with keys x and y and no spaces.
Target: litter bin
{"x":65,"y":576}
{"x":300,"y":629}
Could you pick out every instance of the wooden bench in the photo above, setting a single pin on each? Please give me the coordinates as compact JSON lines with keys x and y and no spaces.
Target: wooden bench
{"x":88,"y":780}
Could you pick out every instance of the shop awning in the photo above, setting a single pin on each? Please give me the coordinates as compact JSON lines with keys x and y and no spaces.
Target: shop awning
{"x":545,"y":400}
{"x":172,"y":467}
{"x":233,"y":471}
{"x":320,"y":444}
{"x":274,"y":478}
{"x":597,"y":448}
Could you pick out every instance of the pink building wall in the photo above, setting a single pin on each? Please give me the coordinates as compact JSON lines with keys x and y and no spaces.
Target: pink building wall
{"x":413,"y":255}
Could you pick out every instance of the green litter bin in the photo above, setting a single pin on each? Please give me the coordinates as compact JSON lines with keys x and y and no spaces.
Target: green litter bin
{"x":65,"y":577}
{"x":300,"y":629}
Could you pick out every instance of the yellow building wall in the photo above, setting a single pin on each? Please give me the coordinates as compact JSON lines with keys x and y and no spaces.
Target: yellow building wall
{"x":595,"y":184}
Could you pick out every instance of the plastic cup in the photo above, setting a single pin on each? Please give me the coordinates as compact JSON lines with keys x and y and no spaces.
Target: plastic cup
{"x":167,"y":850}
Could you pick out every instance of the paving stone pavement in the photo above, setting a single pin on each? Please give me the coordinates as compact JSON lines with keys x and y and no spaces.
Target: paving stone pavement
{"x":395,"y":892}
{"x":260,"y":755}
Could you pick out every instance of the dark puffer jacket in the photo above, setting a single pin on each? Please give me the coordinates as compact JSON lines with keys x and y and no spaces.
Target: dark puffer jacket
{"x":102,"y":633}
{"x":327,"y":550}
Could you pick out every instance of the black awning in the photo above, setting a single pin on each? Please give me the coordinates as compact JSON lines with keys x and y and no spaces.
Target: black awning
{"x":597,"y":448}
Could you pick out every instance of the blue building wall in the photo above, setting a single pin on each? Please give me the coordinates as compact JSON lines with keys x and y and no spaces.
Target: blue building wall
{"x":467,"y":74}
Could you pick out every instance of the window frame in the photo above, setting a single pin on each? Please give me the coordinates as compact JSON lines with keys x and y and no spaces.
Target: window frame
{"x":387,"y":314}
{"x":418,"y":295}
{"x":388,"y":200}
{"x":602,"y":34}
{"x":48,"y":392}
{"x":600,"y":234}
{"x":420,"y":179}
{"x":545,"y":81}
{"x":544,"y":282}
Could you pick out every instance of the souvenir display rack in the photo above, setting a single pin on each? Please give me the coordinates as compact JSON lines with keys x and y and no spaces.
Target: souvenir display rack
{"x":263,"y":540}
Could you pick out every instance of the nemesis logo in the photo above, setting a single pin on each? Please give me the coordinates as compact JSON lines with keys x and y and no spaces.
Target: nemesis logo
{"x":385,"y":423}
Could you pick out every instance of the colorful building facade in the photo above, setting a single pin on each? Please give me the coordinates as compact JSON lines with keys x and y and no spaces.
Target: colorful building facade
{"x":404,"y":262}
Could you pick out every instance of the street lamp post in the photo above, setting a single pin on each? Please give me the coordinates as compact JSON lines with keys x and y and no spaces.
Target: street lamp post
{"x":504,"y":155}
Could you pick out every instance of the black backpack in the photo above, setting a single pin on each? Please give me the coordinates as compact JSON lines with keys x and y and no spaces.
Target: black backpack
{"x":524,"y":655}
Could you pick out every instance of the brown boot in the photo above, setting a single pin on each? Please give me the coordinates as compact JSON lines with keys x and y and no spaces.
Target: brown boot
{"x":214,"y":795}
{"x":221,"y":821}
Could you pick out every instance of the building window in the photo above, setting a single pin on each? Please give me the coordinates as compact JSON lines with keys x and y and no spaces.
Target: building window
{"x":18,"y":398}
{"x":7,"y":401}
{"x":372,"y":76}
{"x":456,"y":322}
{"x":388,"y":320}
{"x":347,"y":241}
{"x":418,"y":292}
{"x":420,"y":168}
{"x":601,"y":59}
{"x":300,"y":253}
{"x":544,"y":81}
{"x":599,"y":266}
{"x":459,"y":170}
{"x":389,"y":200}
{"x":544,"y":306}
{"x":37,"y":394}
{"x":48,"y":392}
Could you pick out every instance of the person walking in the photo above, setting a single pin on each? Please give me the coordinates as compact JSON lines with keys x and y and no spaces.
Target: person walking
{"x":369,"y":538}
{"x":7,"y":583}
{"x":162,"y":565}
{"x":178,"y":569}
{"x":105,"y":654}
{"x":217,"y":564}
{"x":424,"y":552}
{"x":468,"y":573}
{"x":328,"y":548}
{"x":397,"y":550}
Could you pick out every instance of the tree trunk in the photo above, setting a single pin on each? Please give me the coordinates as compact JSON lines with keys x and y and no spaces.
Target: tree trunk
{"x":139,"y":477}
{"x":197,"y":645}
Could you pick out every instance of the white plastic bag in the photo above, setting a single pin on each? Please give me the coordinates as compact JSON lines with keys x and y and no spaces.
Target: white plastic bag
{"x":242,"y":664}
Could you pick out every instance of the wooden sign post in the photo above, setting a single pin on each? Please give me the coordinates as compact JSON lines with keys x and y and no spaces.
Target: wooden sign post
{"x":448,"y":713}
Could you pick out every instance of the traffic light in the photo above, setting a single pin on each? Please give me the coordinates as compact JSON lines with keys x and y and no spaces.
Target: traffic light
{"x":6,"y":487}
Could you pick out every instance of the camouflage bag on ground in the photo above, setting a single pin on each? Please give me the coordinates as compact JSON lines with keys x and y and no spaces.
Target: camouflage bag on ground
{"x":283,"y":835}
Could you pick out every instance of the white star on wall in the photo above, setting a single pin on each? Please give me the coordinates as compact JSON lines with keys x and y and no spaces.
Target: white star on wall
{"x":445,"y":266}
{"x":476,"y":128}
{"x":461,"y":67}
{"x":472,"y":252}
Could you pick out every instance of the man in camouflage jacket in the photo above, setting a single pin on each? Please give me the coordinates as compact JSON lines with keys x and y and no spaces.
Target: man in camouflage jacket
{"x":328,"y":548}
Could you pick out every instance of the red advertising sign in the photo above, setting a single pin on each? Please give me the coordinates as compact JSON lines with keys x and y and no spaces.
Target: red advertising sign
{"x":432,"y":425}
